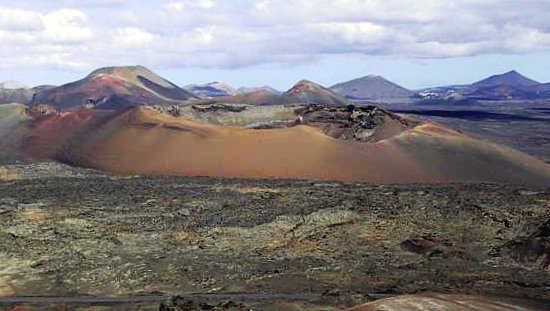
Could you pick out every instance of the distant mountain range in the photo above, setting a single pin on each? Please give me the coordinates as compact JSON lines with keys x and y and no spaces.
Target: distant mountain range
{"x":120,"y":87}
{"x":303,"y":92}
{"x":508,"y":86}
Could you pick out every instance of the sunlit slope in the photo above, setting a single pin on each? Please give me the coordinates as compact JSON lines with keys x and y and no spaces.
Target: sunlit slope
{"x":451,"y":156}
{"x":142,"y":140}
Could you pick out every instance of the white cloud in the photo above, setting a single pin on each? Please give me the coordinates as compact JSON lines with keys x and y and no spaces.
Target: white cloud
{"x":66,"y":25}
{"x":76,"y":3}
{"x":210,"y":33}
{"x":261,"y":6}
{"x":205,"y":4}
{"x":17,"y":20}
{"x":175,"y":5}
{"x":97,"y":2}
{"x":189,"y":4}
{"x":131,"y":36}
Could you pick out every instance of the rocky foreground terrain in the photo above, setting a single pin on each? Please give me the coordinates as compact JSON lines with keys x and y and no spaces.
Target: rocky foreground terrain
{"x":287,"y":245}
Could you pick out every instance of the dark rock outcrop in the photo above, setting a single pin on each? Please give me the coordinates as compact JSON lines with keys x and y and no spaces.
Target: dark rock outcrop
{"x":365,"y":124}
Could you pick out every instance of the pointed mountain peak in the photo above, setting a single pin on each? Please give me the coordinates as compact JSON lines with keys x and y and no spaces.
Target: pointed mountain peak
{"x":305,"y":86}
{"x":306,"y":91}
{"x":512,"y":74}
{"x":510,"y":78}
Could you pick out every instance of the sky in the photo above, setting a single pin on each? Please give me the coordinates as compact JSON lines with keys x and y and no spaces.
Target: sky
{"x":415,"y":43}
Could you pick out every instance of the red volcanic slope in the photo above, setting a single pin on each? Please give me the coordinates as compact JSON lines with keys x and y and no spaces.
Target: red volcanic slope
{"x":144,"y":141}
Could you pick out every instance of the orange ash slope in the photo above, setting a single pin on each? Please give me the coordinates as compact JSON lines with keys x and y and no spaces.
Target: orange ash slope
{"x":143,"y":141}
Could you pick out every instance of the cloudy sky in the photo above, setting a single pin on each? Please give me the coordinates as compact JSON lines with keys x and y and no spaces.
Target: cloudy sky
{"x":255,"y":42}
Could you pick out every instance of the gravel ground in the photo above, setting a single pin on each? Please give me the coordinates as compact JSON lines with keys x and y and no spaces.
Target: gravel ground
{"x":71,"y":232}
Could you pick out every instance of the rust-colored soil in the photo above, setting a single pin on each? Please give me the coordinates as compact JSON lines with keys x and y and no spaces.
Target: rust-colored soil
{"x":142,"y":140}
